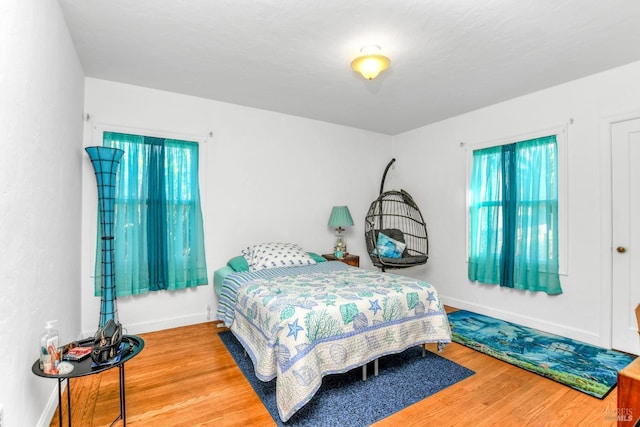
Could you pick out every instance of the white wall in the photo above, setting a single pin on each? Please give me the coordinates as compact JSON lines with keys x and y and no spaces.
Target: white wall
{"x":267,"y":177}
{"x":41,"y":102}
{"x":431,"y":165}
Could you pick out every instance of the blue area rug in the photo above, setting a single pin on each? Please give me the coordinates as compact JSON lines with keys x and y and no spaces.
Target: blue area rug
{"x":584,"y":367}
{"x":345,"y":400}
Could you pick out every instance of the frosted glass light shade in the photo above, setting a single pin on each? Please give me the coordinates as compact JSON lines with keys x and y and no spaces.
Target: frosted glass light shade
{"x":371,"y":62}
{"x":370,"y":65}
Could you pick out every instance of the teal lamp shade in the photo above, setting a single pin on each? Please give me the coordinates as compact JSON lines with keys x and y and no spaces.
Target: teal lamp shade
{"x":340,"y":217}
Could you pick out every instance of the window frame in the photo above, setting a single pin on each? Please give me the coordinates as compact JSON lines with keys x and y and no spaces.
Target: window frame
{"x":561,"y":134}
{"x":96,"y":137}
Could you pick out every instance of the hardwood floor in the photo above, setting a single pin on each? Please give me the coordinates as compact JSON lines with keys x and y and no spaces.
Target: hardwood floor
{"x":185,"y":377}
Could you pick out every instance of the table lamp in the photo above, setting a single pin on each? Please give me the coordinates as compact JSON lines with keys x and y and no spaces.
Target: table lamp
{"x":340,"y":218}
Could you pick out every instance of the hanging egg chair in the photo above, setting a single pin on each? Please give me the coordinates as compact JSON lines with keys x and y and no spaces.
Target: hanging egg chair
{"x":394,"y":230}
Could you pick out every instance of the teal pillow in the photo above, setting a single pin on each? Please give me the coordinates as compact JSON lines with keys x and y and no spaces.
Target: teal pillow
{"x":316,"y":257}
{"x":389,"y":248}
{"x":238,"y":263}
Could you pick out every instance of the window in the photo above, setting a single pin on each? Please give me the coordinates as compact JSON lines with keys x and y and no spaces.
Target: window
{"x":514,"y":216}
{"x":158,"y":227}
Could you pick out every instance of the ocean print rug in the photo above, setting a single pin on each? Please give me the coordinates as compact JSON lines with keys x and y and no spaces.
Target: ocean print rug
{"x":590,"y":369}
{"x":347,"y":401}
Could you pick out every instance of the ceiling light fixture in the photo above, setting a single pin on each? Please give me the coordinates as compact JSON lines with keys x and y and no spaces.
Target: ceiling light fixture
{"x":371,"y":62}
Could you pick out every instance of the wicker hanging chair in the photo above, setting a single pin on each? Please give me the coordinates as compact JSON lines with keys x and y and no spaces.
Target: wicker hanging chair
{"x":395,"y":215}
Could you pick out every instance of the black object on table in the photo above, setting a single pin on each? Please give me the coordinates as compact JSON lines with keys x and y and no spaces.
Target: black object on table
{"x":132,"y":345}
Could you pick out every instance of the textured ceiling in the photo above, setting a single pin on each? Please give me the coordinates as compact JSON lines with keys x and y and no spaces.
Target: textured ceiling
{"x":293,"y":56}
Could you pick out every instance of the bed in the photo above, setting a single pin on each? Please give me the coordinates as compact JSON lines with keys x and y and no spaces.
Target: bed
{"x":301,"y":321}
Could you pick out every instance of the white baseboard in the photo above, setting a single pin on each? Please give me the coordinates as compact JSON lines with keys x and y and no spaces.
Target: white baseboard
{"x":50,"y":408}
{"x":157,"y":324}
{"x":583,"y":335}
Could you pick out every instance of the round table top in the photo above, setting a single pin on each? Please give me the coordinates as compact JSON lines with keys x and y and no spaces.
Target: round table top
{"x":132,"y":345}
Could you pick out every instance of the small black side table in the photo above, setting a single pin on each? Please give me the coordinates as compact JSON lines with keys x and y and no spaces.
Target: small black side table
{"x":133,"y":345}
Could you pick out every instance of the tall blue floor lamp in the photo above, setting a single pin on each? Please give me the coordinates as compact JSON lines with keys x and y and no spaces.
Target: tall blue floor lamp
{"x":105,"y":161}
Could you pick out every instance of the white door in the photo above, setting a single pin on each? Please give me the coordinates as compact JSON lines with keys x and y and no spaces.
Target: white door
{"x":625,"y":165}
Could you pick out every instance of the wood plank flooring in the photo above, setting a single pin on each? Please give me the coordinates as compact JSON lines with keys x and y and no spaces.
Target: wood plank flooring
{"x":185,"y":377}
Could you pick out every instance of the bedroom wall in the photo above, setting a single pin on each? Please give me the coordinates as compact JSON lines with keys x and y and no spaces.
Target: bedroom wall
{"x":431,"y":165}
{"x":266,"y":177}
{"x":41,"y":102}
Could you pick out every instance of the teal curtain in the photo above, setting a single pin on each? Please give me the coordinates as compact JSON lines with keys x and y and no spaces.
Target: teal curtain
{"x":513,"y":214}
{"x":159,"y":233}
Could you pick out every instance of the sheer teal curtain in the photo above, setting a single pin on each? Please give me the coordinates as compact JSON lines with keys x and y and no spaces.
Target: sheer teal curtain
{"x":159,"y":233}
{"x":485,"y":216}
{"x":536,"y":250}
{"x":514,"y":216}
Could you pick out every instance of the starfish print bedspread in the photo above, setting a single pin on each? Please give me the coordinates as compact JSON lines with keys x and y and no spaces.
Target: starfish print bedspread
{"x":298,"y":328}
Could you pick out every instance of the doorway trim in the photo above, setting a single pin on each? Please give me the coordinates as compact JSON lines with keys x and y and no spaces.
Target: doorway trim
{"x":606,"y":223}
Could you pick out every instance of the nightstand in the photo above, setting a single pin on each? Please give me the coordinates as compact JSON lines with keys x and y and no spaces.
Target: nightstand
{"x":350,"y":259}
{"x":628,"y":410}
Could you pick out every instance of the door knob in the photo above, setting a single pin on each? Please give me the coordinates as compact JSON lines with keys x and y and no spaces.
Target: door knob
{"x":621,"y":249}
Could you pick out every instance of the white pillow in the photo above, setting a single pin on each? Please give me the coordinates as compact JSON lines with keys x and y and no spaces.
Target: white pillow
{"x":273,"y":255}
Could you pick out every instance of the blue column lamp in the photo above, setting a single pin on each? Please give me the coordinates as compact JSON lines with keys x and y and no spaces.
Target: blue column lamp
{"x":340,"y":218}
{"x":105,"y":161}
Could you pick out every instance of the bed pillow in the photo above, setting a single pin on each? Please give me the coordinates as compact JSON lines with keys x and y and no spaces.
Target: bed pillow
{"x":317,"y":258}
{"x":389,"y":248}
{"x":238,"y":263}
{"x":273,"y":255}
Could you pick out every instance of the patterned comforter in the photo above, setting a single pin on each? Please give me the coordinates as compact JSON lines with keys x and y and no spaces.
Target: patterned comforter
{"x":299,"y":324}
